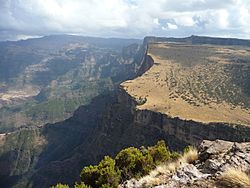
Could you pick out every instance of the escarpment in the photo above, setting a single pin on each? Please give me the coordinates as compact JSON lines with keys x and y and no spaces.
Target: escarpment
{"x":181,"y":93}
{"x":126,"y":118}
{"x":187,"y":132}
{"x":191,"y":92}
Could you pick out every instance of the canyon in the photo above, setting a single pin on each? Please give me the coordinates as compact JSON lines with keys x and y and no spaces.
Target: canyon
{"x":139,"y":111}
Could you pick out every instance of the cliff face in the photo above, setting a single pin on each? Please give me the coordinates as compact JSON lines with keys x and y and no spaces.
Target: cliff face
{"x":191,"y":132}
{"x":183,"y":131}
{"x":180,"y":131}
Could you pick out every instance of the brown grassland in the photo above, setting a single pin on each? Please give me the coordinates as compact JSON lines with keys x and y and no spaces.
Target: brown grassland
{"x":203,"y":83}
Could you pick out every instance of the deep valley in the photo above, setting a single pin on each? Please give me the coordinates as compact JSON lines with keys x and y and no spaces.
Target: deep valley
{"x":78,"y":99}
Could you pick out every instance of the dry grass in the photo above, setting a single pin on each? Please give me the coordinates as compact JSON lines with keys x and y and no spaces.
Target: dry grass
{"x":162,"y":173}
{"x":190,"y":156}
{"x":234,"y":178}
{"x":203,"y":92}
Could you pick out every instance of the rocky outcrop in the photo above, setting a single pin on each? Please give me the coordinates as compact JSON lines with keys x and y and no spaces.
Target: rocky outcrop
{"x":215,"y":157}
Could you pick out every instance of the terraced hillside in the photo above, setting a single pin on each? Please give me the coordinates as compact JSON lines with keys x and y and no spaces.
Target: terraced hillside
{"x":204,"y":83}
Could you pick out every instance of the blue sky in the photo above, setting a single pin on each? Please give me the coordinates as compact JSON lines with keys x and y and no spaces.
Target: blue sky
{"x":20,"y":19}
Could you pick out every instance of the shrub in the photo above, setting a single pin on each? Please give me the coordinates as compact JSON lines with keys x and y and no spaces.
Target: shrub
{"x":132,"y":163}
{"x":89,"y":175}
{"x":175,"y":156}
{"x":104,"y":174}
{"x":107,"y":186}
{"x":160,"y":153}
{"x":81,"y":185}
{"x":59,"y":185}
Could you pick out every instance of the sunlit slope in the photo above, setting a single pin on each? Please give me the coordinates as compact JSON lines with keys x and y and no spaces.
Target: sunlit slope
{"x":203,"y":83}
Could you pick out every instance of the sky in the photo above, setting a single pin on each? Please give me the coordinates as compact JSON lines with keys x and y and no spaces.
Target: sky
{"x":21,"y":19}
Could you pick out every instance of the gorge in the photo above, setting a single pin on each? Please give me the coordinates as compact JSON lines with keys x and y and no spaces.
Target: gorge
{"x":131,"y":113}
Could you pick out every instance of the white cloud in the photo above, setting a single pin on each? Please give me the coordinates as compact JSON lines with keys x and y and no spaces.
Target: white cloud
{"x":125,"y":18}
{"x":169,"y":27}
{"x":172,"y":26}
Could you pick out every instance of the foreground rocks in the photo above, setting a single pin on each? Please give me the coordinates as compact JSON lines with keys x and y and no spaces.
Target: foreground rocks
{"x":215,"y":157}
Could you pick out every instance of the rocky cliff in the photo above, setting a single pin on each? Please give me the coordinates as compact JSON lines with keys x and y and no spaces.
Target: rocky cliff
{"x":220,"y":164}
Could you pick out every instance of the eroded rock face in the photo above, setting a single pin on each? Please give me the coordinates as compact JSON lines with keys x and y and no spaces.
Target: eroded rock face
{"x":215,"y":157}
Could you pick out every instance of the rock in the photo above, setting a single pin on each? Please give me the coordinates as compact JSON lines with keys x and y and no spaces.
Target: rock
{"x":208,"y":148}
{"x":215,"y":157}
{"x":188,"y":174}
{"x":132,"y":183}
{"x":213,"y":165}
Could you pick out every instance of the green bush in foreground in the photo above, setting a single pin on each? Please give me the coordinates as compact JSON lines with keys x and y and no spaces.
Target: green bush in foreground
{"x":132,"y":163}
{"x":160,"y":153}
{"x":81,"y":185}
{"x":128,"y":163}
{"x":105,"y":174}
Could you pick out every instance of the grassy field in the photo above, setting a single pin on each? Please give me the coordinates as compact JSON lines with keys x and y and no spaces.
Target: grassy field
{"x":199,"y":82}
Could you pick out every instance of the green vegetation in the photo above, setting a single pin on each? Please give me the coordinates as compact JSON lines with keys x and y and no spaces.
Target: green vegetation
{"x":133,"y":163}
{"x":81,"y":185}
{"x":69,"y":77}
{"x":52,"y":104}
{"x":129,"y":163}
{"x":105,"y":174}
{"x":59,"y":185}
{"x":159,"y":152}
{"x":30,"y":141}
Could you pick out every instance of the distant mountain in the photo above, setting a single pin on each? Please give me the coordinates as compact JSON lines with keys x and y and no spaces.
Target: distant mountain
{"x":45,"y":79}
{"x":201,"y":40}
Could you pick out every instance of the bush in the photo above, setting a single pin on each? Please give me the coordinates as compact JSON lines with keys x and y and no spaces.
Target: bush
{"x":89,"y":175}
{"x":175,"y":156}
{"x":59,"y":185}
{"x":133,"y":164}
{"x":81,"y":185}
{"x":104,"y":174}
{"x":160,"y":153}
{"x":129,"y":163}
